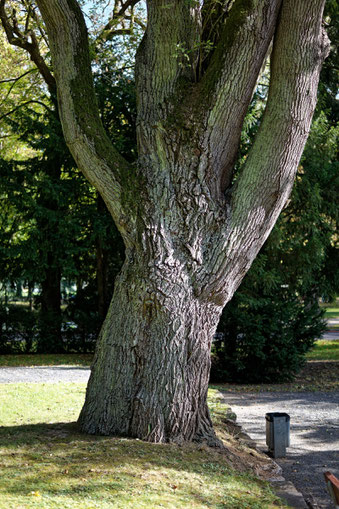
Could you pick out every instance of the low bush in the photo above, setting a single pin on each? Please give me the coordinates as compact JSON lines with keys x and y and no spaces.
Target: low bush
{"x":266,"y":339}
{"x":18,"y":329}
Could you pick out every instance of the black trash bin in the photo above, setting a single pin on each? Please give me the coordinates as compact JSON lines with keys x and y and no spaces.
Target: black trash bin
{"x":277,"y":433}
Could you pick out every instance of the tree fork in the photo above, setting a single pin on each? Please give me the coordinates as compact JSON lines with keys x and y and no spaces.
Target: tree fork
{"x":188,"y":244}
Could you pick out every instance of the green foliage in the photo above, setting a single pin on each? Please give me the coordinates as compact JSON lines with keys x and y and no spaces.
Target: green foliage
{"x":328,"y":85}
{"x":266,"y":335}
{"x":18,"y":329}
{"x":115,"y":90}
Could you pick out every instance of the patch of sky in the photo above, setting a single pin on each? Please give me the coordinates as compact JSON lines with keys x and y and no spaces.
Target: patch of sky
{"x":119,"y":51}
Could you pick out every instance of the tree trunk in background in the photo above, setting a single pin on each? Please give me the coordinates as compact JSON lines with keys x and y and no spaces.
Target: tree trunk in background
{"x":190,"y":232}
{"x":102,"y":266}
{"x":30,"y":295}
{"x":18,"y":290}
{"x":48,"y":222}
{"x":50,"y":312}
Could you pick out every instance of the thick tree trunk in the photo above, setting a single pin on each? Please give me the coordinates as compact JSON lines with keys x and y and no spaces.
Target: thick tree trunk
{"x":158,"y":361}
{"x":190,"y":234}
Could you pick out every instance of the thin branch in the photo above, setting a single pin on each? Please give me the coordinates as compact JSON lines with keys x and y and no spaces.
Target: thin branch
{"x":126,"y":5}
{"x":27,"y":19}
{"x":115,"y":33}
{"x":14,"y":83}
{"x":17,"y":38}
{"x":8,"y":80}
{"x":119,"y":16}
{"x":25,"y":104}
{"x":41,"y":31}
{"x":137,"y":21}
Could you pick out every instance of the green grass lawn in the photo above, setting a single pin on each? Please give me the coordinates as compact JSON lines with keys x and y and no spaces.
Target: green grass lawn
{"x":46,"y":463}
{"x":332,"y":312}
{"x":324,"y":351}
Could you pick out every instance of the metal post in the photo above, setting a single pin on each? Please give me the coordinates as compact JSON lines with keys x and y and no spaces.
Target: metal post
{"x":277,"y":433}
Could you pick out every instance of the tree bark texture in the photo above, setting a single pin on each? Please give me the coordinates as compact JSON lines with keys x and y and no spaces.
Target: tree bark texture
{"x":190,"y":232}
{"x":161,"y":335}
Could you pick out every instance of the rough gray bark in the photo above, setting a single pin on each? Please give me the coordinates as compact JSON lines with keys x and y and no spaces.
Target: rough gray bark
{"x":188,"y":242}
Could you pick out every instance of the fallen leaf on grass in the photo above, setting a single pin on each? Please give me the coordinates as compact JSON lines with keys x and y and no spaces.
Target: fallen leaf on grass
{"x":35,"y":493}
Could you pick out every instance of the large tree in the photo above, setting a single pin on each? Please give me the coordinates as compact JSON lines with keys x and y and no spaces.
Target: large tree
{"x":190,"y":229}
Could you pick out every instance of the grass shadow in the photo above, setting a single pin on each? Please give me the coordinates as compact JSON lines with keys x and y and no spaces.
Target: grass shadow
{"x":61,"y":463}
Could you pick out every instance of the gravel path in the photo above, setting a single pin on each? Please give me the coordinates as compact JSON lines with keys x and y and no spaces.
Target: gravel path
{"x":314,"y":434}
{"x":333,"y":332}
{"x":44,"y":374}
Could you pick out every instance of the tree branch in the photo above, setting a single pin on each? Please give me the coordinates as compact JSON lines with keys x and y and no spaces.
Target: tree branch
{"x":261,"y":191}
{"x":166,"y":55}
{"x":227,"y":85}
{"x":108,"y":36}
{"x":8,"y":80}
{"x":110,"y":30}
{"x":21,"y":40}
{"x":126,"y":5}
{"x":25,"y":104}
{"x":85,"y":136}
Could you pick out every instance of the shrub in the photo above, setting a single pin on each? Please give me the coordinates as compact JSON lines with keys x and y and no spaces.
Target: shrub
{"x":18,"y":329}
{"x":266,"y":339}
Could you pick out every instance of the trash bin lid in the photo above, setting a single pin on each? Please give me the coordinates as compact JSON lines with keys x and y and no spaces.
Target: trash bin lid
{"x":271,"y":415}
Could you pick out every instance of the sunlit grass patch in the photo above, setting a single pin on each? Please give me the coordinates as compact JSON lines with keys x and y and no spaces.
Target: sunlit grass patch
{"x":324,"y":351}
{"x":45,"y":462}
{"x":332,"y":312}
{"x":25,"y":403}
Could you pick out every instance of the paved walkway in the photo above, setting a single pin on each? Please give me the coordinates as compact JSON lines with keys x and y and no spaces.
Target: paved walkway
{"x":44,"y":374}
{"x":314,"y":435}
{"x":333,"y":332}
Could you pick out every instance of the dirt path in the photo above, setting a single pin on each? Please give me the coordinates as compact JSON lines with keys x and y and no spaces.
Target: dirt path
{"x":314,"y":434}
